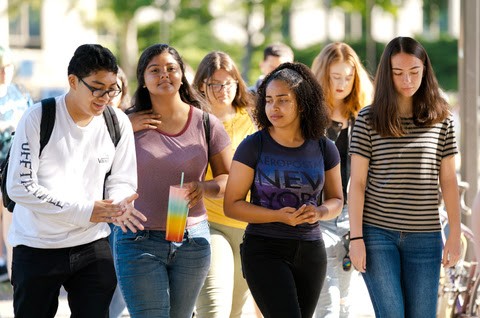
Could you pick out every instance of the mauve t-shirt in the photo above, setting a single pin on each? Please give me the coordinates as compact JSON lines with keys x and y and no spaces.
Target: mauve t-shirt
{"x":162,"y":158}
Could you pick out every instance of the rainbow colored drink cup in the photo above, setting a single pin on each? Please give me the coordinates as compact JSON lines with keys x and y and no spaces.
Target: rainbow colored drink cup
{"x":177,"y":213}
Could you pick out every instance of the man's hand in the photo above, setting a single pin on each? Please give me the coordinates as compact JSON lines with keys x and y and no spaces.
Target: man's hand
{"x":105,"y":211}
{"x":130,"y":218}
{"x":144,"y":119}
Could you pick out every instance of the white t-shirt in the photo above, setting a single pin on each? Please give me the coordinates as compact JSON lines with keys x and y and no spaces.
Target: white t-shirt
{"x":55,"y":193}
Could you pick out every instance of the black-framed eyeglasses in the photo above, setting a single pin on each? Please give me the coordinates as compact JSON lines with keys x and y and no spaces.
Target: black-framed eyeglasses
{"x":96,"y":92}
{"x":217,"y":87}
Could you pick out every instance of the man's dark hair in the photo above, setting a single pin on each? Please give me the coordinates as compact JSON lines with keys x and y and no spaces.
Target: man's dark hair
{"x":277,"y":49}
{"x":91,"y":58}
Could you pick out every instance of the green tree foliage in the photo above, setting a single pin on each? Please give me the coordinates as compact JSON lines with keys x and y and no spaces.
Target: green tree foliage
{"x":190,"y":30}
{"x":365,"y":7}
{"x":125,"y":27}
{"x":443,"y":54}
{"x":435,"y":14}
{"x":190,"y":33}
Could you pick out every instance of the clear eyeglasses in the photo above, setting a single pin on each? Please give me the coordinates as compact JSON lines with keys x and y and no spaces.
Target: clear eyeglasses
{"x":96,"y":92}
{"x":217,"y":87}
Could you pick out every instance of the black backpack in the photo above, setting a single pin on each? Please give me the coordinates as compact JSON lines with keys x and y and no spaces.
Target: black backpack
{"x":46,"y":128}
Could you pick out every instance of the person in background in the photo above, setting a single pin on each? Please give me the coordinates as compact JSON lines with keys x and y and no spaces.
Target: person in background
{"x":121,"y":101}
{"x":161,"y":278}
{"x":59,"y":231}
{"x":347,"y":87}
{"x":287,"y":165}
{"x":225,"y":291}
{"x":273,"y":55}
{"x":14,"y":101}
{"x":403,"y":148}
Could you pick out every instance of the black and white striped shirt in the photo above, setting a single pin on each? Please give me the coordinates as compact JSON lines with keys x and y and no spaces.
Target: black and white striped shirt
{"x":403,"y":176}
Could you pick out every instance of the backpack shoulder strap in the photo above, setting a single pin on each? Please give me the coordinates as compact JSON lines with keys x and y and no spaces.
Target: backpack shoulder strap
{"x":206,"y":127}
{"x":112,"y":124}
{"x":259,"y":143}
{"x":259,"y":148}
{"x":47,"y":122}
{"x":323,"y":145}
{"x":111,"y":120}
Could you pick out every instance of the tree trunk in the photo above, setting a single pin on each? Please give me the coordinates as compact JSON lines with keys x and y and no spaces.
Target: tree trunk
{"x":129,"y":47}
{"x":247,"y":58}
{"x":371,"y":54}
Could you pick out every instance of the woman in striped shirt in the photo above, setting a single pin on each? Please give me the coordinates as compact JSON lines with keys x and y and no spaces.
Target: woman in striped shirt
{"x":403,"y":147}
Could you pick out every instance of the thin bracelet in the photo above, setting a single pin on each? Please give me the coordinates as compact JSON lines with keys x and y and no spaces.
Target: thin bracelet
{"x":356,"y":238}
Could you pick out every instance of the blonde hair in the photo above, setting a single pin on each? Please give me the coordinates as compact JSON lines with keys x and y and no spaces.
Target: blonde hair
{"x":362,"y":90}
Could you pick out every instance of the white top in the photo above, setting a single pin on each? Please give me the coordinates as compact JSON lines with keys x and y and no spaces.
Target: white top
{"x":55,"y":193}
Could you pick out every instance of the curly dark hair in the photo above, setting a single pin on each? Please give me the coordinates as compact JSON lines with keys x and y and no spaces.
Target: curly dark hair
{"x":309,"y":96}
{"x":141,"y":97}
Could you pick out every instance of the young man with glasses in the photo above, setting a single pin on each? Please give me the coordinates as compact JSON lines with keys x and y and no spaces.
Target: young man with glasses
{"x":59,"y":230}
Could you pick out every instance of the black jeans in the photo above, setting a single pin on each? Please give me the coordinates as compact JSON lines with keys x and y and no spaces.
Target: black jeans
{"x":86,"y":272}
{"x":285,"y":276}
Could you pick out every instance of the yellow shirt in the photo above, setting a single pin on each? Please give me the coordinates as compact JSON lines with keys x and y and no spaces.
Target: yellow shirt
{"x":238,"y":128}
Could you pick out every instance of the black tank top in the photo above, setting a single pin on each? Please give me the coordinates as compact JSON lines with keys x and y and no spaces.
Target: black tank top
{"x":339,"y":134}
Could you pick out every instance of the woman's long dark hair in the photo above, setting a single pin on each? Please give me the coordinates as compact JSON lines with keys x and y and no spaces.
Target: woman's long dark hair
{"x":429,"y":107}
{"x":141,"y":97}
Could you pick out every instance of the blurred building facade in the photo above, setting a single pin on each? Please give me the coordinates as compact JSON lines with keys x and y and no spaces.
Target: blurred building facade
{"x":43,"y":40}
{"x":44,"y":34}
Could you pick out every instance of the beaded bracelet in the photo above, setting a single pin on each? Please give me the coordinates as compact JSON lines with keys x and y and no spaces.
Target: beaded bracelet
{"x":356,"y":238}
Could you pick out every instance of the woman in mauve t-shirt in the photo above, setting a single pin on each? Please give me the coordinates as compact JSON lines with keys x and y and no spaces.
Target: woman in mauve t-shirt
{"x":160,"y":277}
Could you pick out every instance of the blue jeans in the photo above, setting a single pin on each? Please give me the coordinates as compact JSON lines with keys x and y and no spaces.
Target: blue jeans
{"x":403,"y":272}
{"x":285,"y":276}
{"x":159,"y":278}
{"x":117,"y":305}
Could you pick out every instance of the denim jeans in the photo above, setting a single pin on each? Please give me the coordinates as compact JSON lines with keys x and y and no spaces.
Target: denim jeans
{"x":159,"y":278}
{"x":285,"y":276}
{"x":403,"y":272}
{"x":334,"y":301}
{"x":117,"y":305}
{"x":86,"y":271}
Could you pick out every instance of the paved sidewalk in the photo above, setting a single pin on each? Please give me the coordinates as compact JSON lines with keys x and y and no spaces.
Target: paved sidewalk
{"x":361,"y":305}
